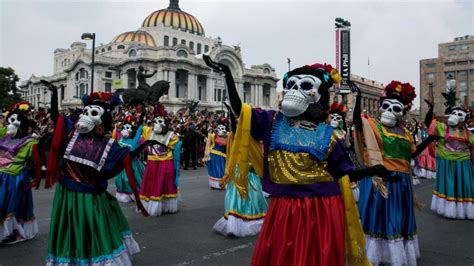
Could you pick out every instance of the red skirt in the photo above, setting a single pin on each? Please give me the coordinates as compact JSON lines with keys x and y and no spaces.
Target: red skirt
{"x":302,"y":231}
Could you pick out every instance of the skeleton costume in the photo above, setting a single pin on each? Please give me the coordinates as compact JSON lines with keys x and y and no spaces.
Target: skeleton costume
{"x":159,"y":190}
{"x":130,"y":137}
{"x":87,"y":223}
{"x":18,"y":152}
{"x":387,"y":209}
{"x":312,"y":218}
{"x":453,"y":196}
{"x":216,"y":155}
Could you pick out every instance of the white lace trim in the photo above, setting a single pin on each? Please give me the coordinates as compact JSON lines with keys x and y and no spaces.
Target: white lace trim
{"x":393,"y":252}
{"x":213,"y":183}
{"x":425,"y":173}
{"x":124,"y":197}
{"x":26,"y":230}
{"x":237,"y":227}
{"x":356,"y":193}
{"x":452,"y":209}
{"x":157,"y":208}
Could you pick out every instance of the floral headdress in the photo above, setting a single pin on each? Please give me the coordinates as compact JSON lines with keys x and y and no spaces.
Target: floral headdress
{"x":101,"y":98}
{"x":338,"y":108}
{"x":404,"y":92}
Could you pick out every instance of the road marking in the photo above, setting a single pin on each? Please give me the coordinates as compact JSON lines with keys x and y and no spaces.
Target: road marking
{"x":217,"y":254}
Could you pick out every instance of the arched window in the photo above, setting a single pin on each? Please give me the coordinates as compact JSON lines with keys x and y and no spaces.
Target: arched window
{"x":206,"y":48}
{"x":109,"y":48}
{"x":183,"y":42}
{"x":97,"y":52}
{"x":191,"y":46}
{"x":182,"y":53}
{"x":175,"y":41}
{"x":132,"y":53}
{"x":266,"y":71}
{"x":166,"y":40}
{"x":103,"y":50}
{"x":121,"y":47}
{"x":199,"y":47}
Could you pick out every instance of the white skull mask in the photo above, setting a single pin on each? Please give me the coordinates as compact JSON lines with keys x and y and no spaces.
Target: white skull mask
{"x":126,"y":131}
{"x":456,"y":117}
{"x":221,"y":130}
{"x":299,"y":93}
{"x":90,"y":117}
{"x":336,"y":120}
{"x":158,"y":125}
{"x":391,"y":112}
{"x":13,"y":125}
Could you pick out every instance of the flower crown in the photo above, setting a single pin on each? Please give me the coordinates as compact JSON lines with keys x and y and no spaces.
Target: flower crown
{"x":338,"y":108}
{"x":404,"y":92}
{"x":101,"y":98}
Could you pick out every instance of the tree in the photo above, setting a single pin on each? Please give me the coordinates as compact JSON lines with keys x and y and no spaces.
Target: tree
{"x":8,"y":89}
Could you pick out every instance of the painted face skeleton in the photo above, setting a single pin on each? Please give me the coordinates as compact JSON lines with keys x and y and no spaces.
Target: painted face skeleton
{"x":126,"y":131}
{"x":391,"y":112}
{"x":299,"y":93}
{"x":456,"y":117}
{"x":13,"y":125}
{"x":221,"y":130}
{"x":159,"y":125}
{"x":336,"y":120}
{"x":90,"y":118}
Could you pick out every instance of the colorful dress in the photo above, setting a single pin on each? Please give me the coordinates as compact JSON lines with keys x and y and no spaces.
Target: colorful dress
{"x":341,"y":135}
{"x":87,"y":224}
{"x":216,"y":163}
{"x":159,"y":190}
{"x":243,"y":216}
{"x":16,"y":199}
{"x":389,"y":223}
{"x":301,"y":171}
{"x":453,"y":196}
{"x":124,"y":191}
{"x":425,"y":164}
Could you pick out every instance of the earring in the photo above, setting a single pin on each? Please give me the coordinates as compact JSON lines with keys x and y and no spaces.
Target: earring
{"x":99,"y":130}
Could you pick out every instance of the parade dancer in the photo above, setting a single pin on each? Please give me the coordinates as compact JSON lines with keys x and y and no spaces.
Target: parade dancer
{"x":337,"y":114}
{"x":159,"y":191}
{"x":215,"y":155}
{"x":425,"y":165}
{"x":18,"y":157}
{"x":305,"y":169}
{"x":130,"y":137}
{"x":87,"y":223}
{"x":387,"y":209}
{"x":244,"y":214}
{"x":453,"y":196}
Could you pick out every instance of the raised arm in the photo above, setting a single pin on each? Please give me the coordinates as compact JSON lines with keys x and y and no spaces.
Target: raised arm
{"x":54,"y":99}
{"x":356,"y":118}
{"x":429,"y":114}
{"x":234,"y":97}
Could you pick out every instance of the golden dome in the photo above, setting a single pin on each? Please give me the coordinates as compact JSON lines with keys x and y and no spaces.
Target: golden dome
{"x":174,"y":17}
{"x":135,"y":36}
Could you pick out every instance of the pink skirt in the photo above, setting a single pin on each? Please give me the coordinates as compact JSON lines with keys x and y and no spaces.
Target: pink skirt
{"x":159,"y":181}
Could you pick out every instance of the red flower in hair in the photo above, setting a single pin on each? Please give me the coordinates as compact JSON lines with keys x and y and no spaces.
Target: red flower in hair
{"x":405,"y":92}
{"x":106,"y":96}
{"x":337,"y":108}
{"x":94,"y":96}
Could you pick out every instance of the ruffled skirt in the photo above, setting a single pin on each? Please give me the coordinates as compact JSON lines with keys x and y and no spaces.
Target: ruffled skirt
{"x":453,"y":196}
{"x":389,"y":223}
{"x":124,"y":191}
{"x":88,"y":229}
{"x":159,"y":193}
{"x":215,"y":170}
{"x":302,"y":231}
{"x":243,"y":217}
{"x":16,"y":207}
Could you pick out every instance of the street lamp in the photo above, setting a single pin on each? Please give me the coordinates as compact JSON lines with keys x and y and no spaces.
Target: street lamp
{"x":450,"y":82}
{"x":91,"y":36}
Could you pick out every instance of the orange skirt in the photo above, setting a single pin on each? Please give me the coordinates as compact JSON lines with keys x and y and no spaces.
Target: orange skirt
{"x":302,"y":231}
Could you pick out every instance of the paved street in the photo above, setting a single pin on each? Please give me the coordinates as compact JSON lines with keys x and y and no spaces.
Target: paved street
{"x":186,"y":238}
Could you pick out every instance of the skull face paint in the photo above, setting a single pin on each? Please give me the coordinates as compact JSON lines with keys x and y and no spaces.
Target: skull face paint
{"x":221,"y":130}
{"x":13,"y":125}
{"x":300,"y":92}
{"x":90,"y":118}
{"x":336,"y":120}
{"x":126,"y":131}
{"x":456,"y":117}
{"x":391,"y":112}
{"x":158,"y":125}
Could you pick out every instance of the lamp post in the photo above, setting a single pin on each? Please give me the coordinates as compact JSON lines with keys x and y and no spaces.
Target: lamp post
{"x":91,"y":36}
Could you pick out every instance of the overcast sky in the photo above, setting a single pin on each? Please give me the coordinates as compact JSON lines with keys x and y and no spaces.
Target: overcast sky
{"x":395,"y":35}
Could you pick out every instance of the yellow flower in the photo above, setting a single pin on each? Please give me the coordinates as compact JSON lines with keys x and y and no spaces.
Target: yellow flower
{"x":398,"y":88}
{"x":335,"y":76}
{"x":24,"y":107}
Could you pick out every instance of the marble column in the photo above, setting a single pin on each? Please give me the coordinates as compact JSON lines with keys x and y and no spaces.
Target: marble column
{"x":259,"y":95}
{"x":171,"y":77}
{"x":209,"y":89}
{"x":192,"y":86}
{"x":253,"y":96}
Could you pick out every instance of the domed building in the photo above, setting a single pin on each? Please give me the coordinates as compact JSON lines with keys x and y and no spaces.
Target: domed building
{"x":169,"y":41}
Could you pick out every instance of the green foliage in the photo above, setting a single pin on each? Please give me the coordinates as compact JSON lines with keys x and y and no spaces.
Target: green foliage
{"x":8,"y":89}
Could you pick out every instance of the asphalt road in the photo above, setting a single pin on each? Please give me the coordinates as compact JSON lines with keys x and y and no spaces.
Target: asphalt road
{"x":186,"y":238}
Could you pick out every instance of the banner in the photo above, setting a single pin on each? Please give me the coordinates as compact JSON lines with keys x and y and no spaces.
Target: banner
{"x":117,"y":84}
{"x":345,"y":60}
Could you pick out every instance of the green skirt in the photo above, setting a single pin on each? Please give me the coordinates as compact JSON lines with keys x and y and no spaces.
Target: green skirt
{"x":88,"y":229}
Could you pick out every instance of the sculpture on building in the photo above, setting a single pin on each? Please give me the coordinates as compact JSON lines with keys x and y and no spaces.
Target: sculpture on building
{"x":144,"y":93}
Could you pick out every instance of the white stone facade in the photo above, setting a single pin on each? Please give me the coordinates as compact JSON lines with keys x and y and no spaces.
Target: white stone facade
{"x":180,"y":63}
